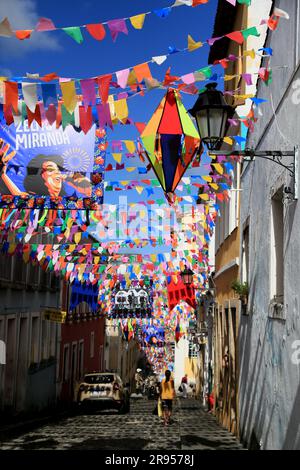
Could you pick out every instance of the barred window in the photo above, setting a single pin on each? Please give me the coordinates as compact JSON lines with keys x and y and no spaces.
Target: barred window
{"x":193,"y":350}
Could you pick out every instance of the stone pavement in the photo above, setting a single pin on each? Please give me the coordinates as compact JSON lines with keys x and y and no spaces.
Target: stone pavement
{"x":192,"y":428}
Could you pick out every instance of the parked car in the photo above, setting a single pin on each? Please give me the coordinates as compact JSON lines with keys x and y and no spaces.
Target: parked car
{"x":104,"y":390}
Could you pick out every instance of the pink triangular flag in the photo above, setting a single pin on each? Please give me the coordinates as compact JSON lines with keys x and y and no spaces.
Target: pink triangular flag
{"x":116,"y":27}
{"x":45,"y":24}
{"x":122,"y":77}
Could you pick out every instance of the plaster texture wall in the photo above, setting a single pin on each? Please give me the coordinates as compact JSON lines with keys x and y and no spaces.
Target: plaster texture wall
{"x":269,"y":379}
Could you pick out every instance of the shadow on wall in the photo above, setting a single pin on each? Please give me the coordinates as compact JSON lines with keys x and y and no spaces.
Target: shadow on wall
{"x":292,"y":437}
{"x":257,"y":412}
{"x":250,"y":427}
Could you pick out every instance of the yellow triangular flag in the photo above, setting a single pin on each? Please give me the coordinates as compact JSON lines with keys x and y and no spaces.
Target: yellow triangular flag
{"x":77,"y":237}
{"x":204,"y":196}
{"x":111,"y":103}
{"x":137,"y":21}
{"x":69,"y":95}
{"x":130,"y":168}
{"x":121,"y":109}
{"x":130,"y":145}
{"x":229,"y":77}
{"x":228,"y":140}
{"x":117,"y":157}
{"x":251,"y":54}
{"x":193,"y":45}
{"x":214,"y":186}
{"x":218,"y":167}
{"x":125,"y":183}
{"x":206,"y":178}
{"x":244,"y":97}
{"x":139,"y":189}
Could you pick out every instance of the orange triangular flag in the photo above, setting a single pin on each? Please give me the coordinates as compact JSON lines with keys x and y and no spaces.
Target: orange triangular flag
{"x":23,"y":33}
{"x":169,"y":78}
{"x":142,"y":71}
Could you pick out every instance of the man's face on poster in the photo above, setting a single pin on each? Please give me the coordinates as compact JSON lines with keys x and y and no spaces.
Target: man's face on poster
{"x":52,"y":176}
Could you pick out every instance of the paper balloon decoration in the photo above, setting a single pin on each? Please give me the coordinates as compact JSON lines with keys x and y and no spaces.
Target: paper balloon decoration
{"x":170,"y":140}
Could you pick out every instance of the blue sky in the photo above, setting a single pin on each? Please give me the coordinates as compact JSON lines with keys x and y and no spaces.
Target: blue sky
{"x":57,"y":52}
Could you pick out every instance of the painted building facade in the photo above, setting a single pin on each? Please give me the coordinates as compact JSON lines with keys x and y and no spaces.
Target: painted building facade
{"x":270,"y":220}
{"x":228,"y":307}
{"x":28,"y":378}
{"x":82,"y":338}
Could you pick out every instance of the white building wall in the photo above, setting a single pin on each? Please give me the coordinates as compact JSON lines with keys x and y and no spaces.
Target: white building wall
{"x":181,"y":352}
{"x":269,"y":374}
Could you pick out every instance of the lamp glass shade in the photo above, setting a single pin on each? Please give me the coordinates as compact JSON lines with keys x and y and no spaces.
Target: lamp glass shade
{"x":212,"y":113}
{"x":187,"y":276}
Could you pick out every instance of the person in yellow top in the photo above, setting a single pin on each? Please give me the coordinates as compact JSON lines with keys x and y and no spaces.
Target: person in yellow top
{"x":167,"y":394}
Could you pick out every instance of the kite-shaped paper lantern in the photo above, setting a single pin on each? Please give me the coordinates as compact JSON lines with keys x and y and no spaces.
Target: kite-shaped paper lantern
{"x":170,"y":140}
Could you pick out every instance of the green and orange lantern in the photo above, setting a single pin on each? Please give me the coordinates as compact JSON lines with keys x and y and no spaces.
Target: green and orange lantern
{"x":171,"y":141}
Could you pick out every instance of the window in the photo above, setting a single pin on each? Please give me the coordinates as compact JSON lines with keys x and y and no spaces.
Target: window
{"x":193,"y":350}
{"x":92,"y":344}
{"x":80,"y":359}
{"x":277,"y":251}
{"x":5,"y":267}
{"x":45,"y":338}
{"x":35,"y":340}
{"x":52,"y":348}
{"x":65,"y":371}
{"x":19,"y":270}
{"x":245,"y":255}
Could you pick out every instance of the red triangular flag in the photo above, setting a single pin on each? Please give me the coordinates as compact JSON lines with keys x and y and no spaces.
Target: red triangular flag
{"x":85,"y":118}
{"x":11,"y":95}
{"x":140,"y":126}
{"x":104,"y":83}
{"x":236,"y":36}
{"x":96,"y":30}
{"x":36,"y":116}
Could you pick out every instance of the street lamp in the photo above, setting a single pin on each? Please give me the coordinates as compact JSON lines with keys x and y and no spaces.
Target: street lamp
{"x":212,"y":113}
{"x":187,"y":276}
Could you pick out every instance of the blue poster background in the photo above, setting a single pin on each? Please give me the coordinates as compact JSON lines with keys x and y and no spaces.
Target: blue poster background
{"x":75,"y":149}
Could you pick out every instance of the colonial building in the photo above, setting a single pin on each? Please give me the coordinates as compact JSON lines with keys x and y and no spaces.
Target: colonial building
{"x":228,"y":307}
{"x":270,"y":219}
{"x":82,"y":338}
{"x":28,"y":378}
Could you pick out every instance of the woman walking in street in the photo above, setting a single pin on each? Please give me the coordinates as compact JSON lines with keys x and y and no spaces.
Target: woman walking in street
{"x":167,"y":395}
{"x":184,"y":383}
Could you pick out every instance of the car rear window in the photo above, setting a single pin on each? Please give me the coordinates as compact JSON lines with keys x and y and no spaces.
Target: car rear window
{"x":99,"y":379}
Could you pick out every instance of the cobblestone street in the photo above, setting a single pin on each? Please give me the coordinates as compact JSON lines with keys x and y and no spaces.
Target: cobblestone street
{"x":191,"y":429}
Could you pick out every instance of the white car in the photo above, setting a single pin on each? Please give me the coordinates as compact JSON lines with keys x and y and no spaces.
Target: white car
{"x":104,"y":390}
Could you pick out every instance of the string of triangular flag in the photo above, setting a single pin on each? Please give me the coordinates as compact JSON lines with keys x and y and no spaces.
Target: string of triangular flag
{"x":96,"y":30}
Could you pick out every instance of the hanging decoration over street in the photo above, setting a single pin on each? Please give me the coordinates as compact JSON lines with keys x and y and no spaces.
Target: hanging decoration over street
{"x":170,"y":140}
{"x":96,"y":30}
{"x":45,"y":166}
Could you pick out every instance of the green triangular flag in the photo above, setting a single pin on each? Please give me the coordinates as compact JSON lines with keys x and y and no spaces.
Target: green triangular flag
{"x":66,"y":117}
{"x":245,"y":2}
{"x":206,"y":71}
{"x":250,"y":32}
{"x":75,"y":33}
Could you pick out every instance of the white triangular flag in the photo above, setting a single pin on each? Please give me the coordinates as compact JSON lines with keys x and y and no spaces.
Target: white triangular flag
{"x":159,"y":59}
{"x":30,"y":95}
{"x":5,"y":29}
{"x":281,"y":13}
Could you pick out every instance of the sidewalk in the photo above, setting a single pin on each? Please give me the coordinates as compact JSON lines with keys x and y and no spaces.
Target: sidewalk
{"x":11,"y":426}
